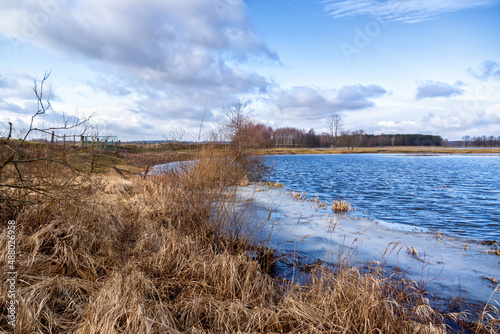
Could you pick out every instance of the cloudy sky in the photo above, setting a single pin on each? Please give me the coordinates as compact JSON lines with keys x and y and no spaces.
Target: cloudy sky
{"x":151,"y":67}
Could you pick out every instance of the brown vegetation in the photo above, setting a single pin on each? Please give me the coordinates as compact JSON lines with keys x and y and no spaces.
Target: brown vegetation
{"x":171,"y":254}
{"x":341,"y":206}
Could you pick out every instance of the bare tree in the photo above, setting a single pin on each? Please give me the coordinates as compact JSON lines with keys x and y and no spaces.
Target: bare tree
{"x":466,"y":140}
{"x":176,"y":135}
{"x":238,"y":117}
{"x":334,"y":124}
{"x":348,"y":139}
{"x":22,"y":164}
{"x":216,"y":134}
{"x":358,"y":137}
{"x":491,"y":141}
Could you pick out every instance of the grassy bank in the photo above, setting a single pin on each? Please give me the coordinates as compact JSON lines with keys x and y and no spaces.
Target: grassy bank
{"x":399,"y":149}
{"x":111,"y":253}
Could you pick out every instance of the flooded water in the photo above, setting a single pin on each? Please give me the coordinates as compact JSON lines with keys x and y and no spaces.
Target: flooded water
{"x":455,"y":194}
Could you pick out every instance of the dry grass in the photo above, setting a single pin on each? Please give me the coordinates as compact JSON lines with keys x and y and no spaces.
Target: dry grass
{"x":169,"y":254}
{"x":271,"y":185}
{"x":341,"y":206}
{"x":299,"y":196}
{"x":319,"y":204}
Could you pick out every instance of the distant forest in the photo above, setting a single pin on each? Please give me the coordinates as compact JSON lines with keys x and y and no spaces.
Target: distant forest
{"x":480,"y":141}
{"x":260,"y":135}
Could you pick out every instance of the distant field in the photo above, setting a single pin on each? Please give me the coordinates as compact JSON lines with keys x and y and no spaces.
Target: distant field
{"x":396,"y":149}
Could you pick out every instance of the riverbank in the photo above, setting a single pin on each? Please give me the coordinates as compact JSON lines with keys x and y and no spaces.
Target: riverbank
{"x":446,"y":267}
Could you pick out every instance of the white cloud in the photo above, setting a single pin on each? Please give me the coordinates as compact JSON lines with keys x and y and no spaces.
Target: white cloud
{"x":488,"y":69}
{"x":145,"y":66}
{"x":156,"y":58}
{"x":305,"y":102}
{"x":186,"y":42}
{"x":409,"y":11}
{"x":395,"y":127}
{"x":453,"y":124}
{"x":492,"y":114}
{"x":433,"y":89}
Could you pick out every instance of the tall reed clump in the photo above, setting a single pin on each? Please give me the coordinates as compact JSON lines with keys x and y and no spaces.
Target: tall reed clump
{"x":168,"y":254}
{"x":341,"y":206}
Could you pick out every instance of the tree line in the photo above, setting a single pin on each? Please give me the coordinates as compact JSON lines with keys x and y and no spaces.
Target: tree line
{"x":260,"y":135}
{"x":243,"y":131}
{"x":480,"y":141}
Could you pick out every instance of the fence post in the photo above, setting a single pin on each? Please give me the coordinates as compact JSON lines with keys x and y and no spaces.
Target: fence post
{"x":92,"y":164}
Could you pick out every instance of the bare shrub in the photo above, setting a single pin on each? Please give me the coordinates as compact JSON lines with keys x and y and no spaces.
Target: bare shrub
{"x":30,"y":171}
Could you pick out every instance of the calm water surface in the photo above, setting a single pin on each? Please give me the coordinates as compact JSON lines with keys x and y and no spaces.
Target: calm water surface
{"x":458,"y":195}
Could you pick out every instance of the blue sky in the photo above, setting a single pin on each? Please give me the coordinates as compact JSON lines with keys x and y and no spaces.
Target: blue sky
{"x":148,"y":68}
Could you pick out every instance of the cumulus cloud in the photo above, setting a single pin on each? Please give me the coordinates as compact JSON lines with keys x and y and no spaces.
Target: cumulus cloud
{"x":304,"y":102}
{"x":16,"y":97}
{"x":400,"y":11}
{"x":432,"y":89}
{"x":7,"y":107}
{"x":157,"y":58}
{"x":185,"y":42}
{"x":488,"y":69}
{"x":15,"y":86}
{"x":110,"y":86}
{"x":456,"y":123}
